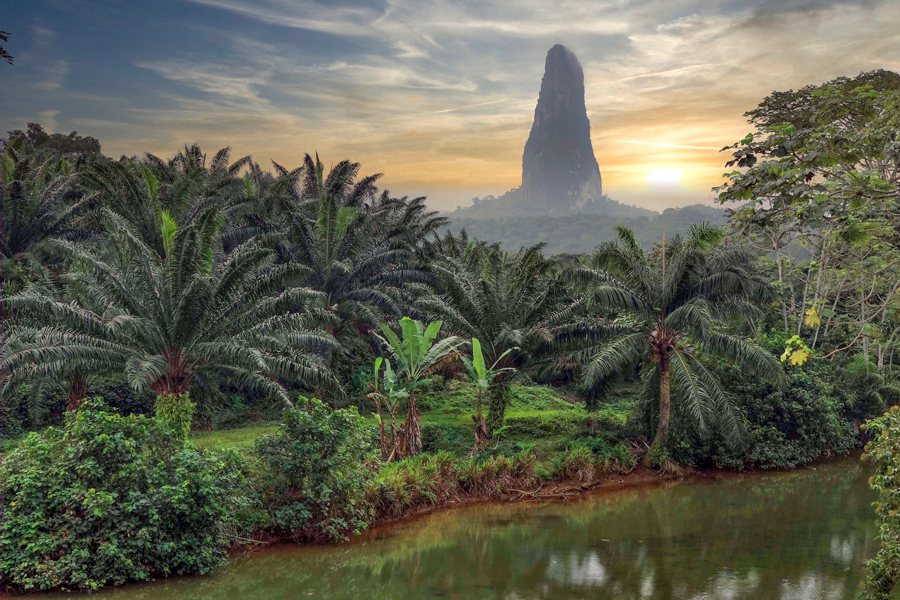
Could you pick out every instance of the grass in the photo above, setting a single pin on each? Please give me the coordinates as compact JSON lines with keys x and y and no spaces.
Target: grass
{"x":458,"y":398}
{"x":537,"y":419}
{"x":240,"y":437}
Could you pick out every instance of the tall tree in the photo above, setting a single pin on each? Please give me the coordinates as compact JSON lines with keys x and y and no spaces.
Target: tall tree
{"x":360,"y":247}
{"x":673,"y":307}
{"x":168,"y":318}
{"x":38,"y":201}
{"x":38,"y":198}
{"x":819,"y":186}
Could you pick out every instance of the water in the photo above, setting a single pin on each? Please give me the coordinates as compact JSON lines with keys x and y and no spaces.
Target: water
{"x":802,"y":535}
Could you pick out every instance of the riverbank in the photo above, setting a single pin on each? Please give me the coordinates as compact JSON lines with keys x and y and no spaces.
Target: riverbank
{"x":310,"y":480}
{"x":556,"y":491}
{"x":804,"y":532}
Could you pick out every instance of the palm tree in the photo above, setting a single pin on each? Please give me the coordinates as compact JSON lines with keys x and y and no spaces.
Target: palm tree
{"x":167,"y":319}
{"x":359,"y":246}
{"x":38,"y":200}
{"x":511,"y":303}
{"x":415,"y":355}
{"x":672,"y":308}
{"x":184,"y":188}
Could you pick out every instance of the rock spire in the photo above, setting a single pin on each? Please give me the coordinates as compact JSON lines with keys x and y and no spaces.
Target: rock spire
{"x":559,"y":169}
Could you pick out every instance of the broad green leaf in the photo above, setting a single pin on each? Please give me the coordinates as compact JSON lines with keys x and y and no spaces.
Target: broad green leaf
{"x":478,"y":360}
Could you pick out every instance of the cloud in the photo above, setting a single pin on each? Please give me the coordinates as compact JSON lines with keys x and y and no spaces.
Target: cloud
{"x":662,"y":145}
{"x":679,"y":74}
{"x":439,"y":95}
{"x":48,"y":119}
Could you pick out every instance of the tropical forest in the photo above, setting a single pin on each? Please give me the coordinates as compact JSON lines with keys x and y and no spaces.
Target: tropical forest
{"x":223,"y":376}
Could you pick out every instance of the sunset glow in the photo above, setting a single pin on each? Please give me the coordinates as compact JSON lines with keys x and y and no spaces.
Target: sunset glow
{"x":664,"y":176}
{"x":439,"y":96}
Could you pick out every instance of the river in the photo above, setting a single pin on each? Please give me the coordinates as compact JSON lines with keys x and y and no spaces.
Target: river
{"x":798,"y":535}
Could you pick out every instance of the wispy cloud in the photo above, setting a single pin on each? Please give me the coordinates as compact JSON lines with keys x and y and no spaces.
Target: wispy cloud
{"x":662,"y":145}
{"x":439,"y":94}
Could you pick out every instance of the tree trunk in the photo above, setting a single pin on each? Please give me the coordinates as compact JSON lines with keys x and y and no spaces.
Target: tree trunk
{"x":413,"y":433}
{"x":665,"y":406}
{"x":382,"y":433}
{"x":481,"y":429}
{"x":784,"y":308}
{"x":77,"y":392}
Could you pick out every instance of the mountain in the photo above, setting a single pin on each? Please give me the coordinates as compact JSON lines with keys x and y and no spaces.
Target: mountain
{"x":560,"y":174}
{"x":559,"y":169}
{"x":561,"y":201}
{"x":515,"y":203}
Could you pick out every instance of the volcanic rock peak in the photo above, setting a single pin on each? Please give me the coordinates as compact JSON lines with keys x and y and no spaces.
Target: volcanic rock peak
{"x":559,"y":169}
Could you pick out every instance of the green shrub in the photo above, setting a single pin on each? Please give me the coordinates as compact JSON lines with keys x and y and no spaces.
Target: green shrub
{"x":785,"y":426}
{"x":419,"y":480}
{"x":577,"y":462}
{"x":439,"y":437}
{"x":13,"y":414}
{"x":883,"y":571}
{"x":445,"y":396}
{"x":619,"y":459}
{"x":434,"y":479}
{"x":610,"y":458}
{"x":176,"y":411}
{"x":544,"y":425}
{"x":496,"y":475}
{"x":360,"y":379}
{"x":108,"y":500}
{"x":315,"y":472}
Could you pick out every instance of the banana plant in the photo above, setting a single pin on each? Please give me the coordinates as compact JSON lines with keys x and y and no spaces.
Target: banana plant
{"x":416,"y":354}
{"x":388,"y":392}
{"x":482,"y":377}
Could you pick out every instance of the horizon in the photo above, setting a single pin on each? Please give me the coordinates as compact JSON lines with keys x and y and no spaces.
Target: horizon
{"x":441,"y":106}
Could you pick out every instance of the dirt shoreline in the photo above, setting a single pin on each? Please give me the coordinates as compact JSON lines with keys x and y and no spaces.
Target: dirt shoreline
{"x":548,"y":491}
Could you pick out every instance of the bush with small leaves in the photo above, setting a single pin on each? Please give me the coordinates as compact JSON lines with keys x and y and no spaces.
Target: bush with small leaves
{"x":176,"y":411}
{"x":108,"y":500}
{"x":315,"y":473}
{"x":883,"y":571}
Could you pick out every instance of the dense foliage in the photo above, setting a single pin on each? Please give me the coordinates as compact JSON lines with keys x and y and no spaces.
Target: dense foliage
{"x":110,"y":499}
{"x":198,"y":291}
{"x":673,"y":308}
{"x":314,"y":473}
{"x":883,"y":571}
{"x":786,"y":425}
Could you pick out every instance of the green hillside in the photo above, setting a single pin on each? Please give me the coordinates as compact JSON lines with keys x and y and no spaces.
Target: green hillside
{"x":580,"y":233}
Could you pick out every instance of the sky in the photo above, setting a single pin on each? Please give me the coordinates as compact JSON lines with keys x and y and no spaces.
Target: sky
{"x":437,"y":95}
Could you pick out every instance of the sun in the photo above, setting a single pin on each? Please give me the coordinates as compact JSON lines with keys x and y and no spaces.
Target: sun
{"x":664,"y":176}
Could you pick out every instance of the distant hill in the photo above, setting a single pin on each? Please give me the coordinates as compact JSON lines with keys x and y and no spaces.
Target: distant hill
{"x":515,"y":203}
{"x":580,"y":233}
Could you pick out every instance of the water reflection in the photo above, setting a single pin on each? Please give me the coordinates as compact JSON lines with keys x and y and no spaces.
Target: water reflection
{"x":796,"y":535}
